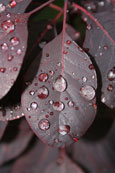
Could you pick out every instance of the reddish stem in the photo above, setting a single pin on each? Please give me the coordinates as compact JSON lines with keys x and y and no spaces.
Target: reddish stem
{"x":63,"y":36}
{"x":56,"y":7}
{"x":95,"y":20}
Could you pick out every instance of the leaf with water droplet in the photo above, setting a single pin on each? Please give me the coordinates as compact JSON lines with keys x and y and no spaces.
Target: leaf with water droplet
{"x":54,"y":120}
{"x":102,"y":50}
{"x":13,"y":43}
{"x":14,"y":6}
{"x":20,"y":135}
{"x":3,"y":126}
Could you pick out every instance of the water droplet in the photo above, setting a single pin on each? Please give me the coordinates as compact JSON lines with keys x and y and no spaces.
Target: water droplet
{"x":110,"y":88}
{"x":2,"y":7}
{"x":51,"y":73}
{"x":111,"y":74}
{"x":70,"y":104}
{"x":68,"y":42}
{"x":100,"y":53}
{"x":88,"y":92}
{"x":12,"y":4}
{"x":34,"y":105}
{"x":10,"y":57}
{"x":64,"y":129}
{"x":51,"y":102}
{"x":65,"y":52}
{"x":4,"y":46}
{"x":84,"y":79}
{"x":44,"y":124}
{"x":8,"y":15}
{"x":2,"y":70}
{"x":32,"y":92}
{"x":89,"y":27}
{"x":103,"y":99}
{"x":19,"y":52}
{"x":14,"y":41}
{"x":43,"y":92}
{"x":58,"y":106}
{"x":105,"y":47}
{"x":8,"y":26}
{"x":15,"y":68}
{"x":101,"y":3}
{"x":75,"y":139}
{"x":43,"y":77}
{"x":60,"y":84}
{"x":91,"y":67}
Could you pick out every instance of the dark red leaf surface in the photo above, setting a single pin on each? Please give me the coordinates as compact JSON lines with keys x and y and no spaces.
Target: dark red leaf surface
{"x":14,"y":147}
{"x":14,"y":6}
{"x":13,"y":43}
{"x":59,"y":108}
{"x":102,"y":49}
{"x":36,"y":160}
{"x":3,"y":126}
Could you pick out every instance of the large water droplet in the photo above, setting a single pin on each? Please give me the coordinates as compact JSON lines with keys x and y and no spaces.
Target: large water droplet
{"x":111,"y":74}
{"x":14,"y":41}
{"x":44,"y":124}
{"x":60,"y":84}
{"x":2,"y":7}
{"x":88,"y":92}
{"x":43,"y":77}
{"x":8,"y":26}
{"x":4,"y":46}
{"x":43,"y":92}
{"x":64,"y":129}
{"x":58,"y":106}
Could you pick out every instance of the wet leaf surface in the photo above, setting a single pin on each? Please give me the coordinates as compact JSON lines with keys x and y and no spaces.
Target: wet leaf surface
{"x":3,"y":126}
{"x":52,"y":97}
{"x":13,"y":43}
{"x":102,"y":50}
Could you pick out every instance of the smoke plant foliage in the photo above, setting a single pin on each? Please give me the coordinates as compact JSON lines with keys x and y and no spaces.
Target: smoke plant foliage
{"x":60,"y":88}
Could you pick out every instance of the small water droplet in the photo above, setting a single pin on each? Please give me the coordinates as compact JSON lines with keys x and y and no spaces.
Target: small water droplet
{"x":34,"y":105}
{"x":12,"y":3}
{"x":43,"y":77}
{"x":68,"y":42}
{"x":91,"y":67}
{"x":60,"y":84}
{"x":14,"y":41}
{"x":32,"y":92}
{"x":64,"y":129}
{"x":58,"y":106}
{"x":51,"y":102}
{"x":15,"y":69}
{"x":84,"y":79}
{"x":51,"y":73}
{"x":70,"y":104}
{"x":110,"y":88}
{"x":111,"y":74}
{"x":8,"y":26}
{"x":103,"y":99}
{"x":19,"y":52}
{"x":44,"y":124}
{"x":75,"y":139}
{"x":2,"y":7}
{"x":88,"y":92}
{"x":4,"y":46}
{"x":2,"y":69}
{"x":10,"y":57}
{"x":105,"y":47}
{"x":89,"y":27}
{"x":100,"y":53}
{"x":43,"y":92}
{"x":65,"y":52}
{"x":8,"y":15}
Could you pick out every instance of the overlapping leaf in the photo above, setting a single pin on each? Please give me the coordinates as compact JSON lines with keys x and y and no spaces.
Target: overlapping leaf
{"x":60,"y":107}
{"x":3,"y":126}
{"x":102,"y":49}
{"x":14,"y":147}
{"x":13,"y":43}
{"x":14,"y":6}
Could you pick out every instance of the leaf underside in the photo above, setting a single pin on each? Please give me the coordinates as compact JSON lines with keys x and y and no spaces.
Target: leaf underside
{"x":11,"y":55}
{"x":80,"y":116}
{"x":102,"y":50}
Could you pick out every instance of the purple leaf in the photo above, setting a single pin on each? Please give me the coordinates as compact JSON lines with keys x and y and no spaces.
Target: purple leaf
{"x":60,"y":106}
{"x":36,"y":160}
{"x":3,"y":126}
{"x":13,"y":41}
{"x":13,"y":148}
{"x":11,"y":112}
{"x":62,"y":165}
{"x":102,"y":49}
{"x":14,"y":6}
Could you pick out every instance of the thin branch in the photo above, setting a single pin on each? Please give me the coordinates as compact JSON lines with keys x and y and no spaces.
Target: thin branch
{"x":95,"y":20}
{"x":55,"y":7}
